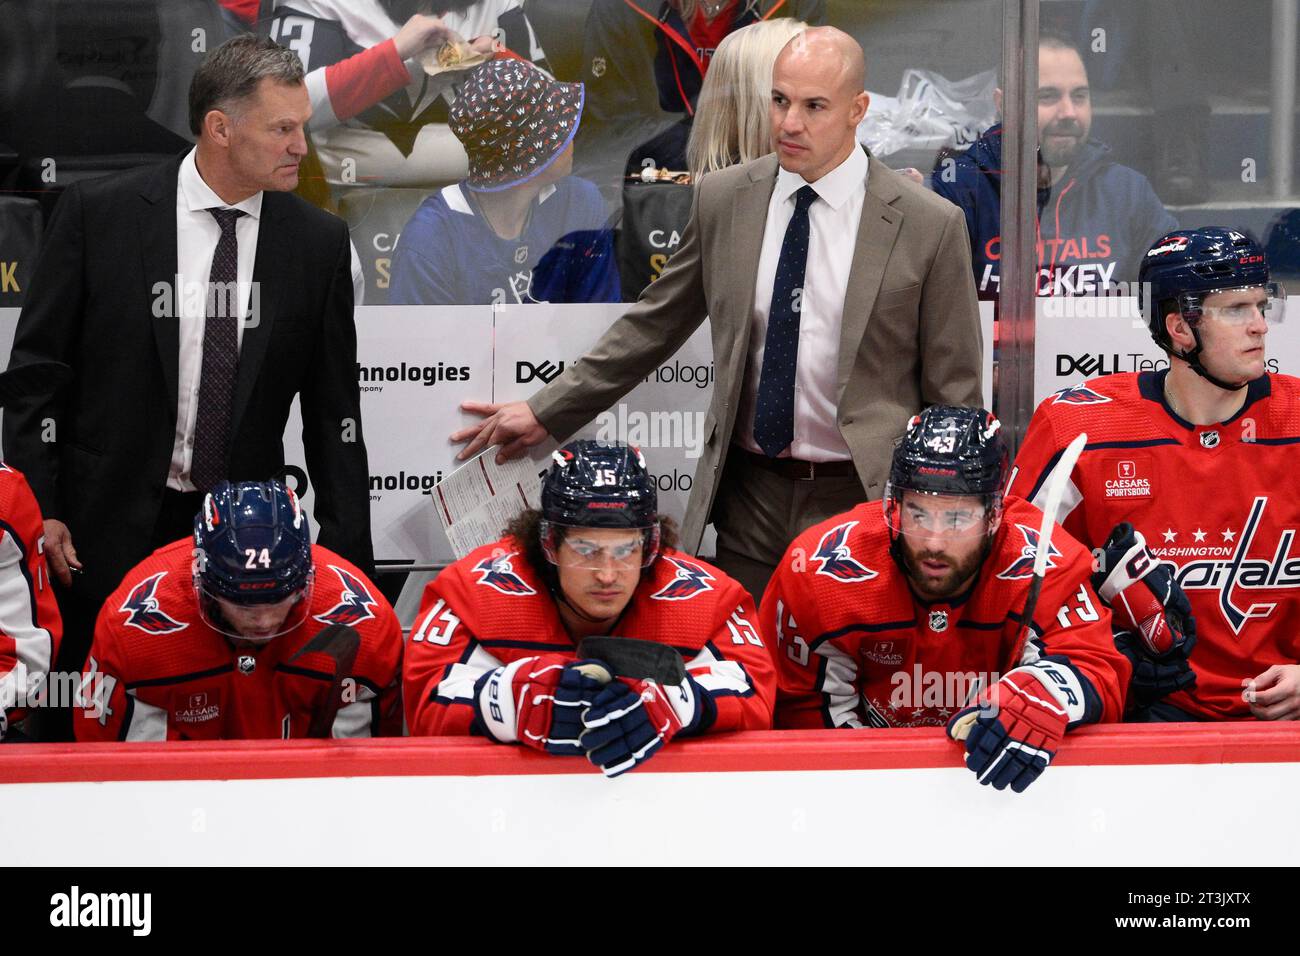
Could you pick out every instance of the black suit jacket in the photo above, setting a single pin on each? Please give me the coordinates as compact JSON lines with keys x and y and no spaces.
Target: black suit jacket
{"x":97,"y":453}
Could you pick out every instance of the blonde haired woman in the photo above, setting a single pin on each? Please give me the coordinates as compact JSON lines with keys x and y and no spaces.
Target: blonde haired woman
{"x":731,"y":122}
{"x":644,"y":62}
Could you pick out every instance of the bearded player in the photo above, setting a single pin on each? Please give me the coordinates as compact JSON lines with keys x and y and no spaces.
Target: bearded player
{"x":896,"y":613}
{"x":494,"y":651}
{"x":228,"y":635}
{"x":1187,"y":487}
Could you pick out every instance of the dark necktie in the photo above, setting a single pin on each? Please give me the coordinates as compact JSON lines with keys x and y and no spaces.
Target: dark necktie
{"x":774,"y":410}
{"x":210,"y":461}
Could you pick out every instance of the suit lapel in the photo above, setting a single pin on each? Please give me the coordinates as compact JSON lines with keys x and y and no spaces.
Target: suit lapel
{"x":748,"y":221}
{"x":877,"y":232}
{"x":157,"y":231}
{"x":263,"y":304}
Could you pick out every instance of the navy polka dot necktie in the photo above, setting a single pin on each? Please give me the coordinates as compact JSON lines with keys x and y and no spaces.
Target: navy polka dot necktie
{"x":210,"y":461}
{"x":774,"y":410}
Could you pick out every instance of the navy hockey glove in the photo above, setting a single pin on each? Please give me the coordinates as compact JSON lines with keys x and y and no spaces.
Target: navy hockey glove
{"x":631,"y":719}
{"x":539,"y":701}
{"x":1013,"y":733}
{"x":1154,"y":627}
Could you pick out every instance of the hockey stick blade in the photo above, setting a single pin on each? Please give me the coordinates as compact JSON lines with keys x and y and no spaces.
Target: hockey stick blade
{"x":636,"y":659}
{"x":340,"y":643}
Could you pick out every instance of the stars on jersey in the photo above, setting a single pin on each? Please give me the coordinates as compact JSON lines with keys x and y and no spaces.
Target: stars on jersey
{"x":1199,"y":536}
{"x":691,"y":580}
{"x":142,"y":609}
{"x":1023,"y":566}
{"x":836,"y":561}
{"x":1218,"y":567}
{"x":498,"y":573}
{"x":1078,"y":395}
{"x":355,"y":602}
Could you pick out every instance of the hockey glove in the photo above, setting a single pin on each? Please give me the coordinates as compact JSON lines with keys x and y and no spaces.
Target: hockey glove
{"x":631,"y":719}
{"x":539,"y":701}
{"x":1154,"y":627}
{"x":1013,"y":733}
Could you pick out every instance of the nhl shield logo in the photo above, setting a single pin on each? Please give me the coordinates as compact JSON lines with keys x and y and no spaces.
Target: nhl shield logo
{"x":521,"y":255}
{"x":1209,"y":439}
{"x":247,"y":664}
{"x":938,"y":621}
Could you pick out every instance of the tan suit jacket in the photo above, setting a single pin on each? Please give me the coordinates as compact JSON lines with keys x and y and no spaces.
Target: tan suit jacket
{"x":910,"y":336}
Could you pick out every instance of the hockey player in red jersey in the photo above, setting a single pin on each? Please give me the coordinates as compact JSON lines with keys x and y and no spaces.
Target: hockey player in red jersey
{"x":228,"y":635}
{"x":1186,"y":487}
{"x":494,"y":650}
{"x":895,"y":613}
{"x":30,"y":626}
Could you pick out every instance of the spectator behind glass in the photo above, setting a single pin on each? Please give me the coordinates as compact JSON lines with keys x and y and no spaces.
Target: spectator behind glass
{"x":732,"y":126}
{"x":733,"y":123}
{"x":519,"y":228}
{"x":1095,"y":216}
{"x":377,"y":117}
{"x":643,"y":65}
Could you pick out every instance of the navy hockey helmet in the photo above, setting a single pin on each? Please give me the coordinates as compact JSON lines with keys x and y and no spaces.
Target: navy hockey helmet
{"x":950,"y":451}
{"x":1183,"y":267}
{"x":593,"y":484}
{"x":252,"y":544}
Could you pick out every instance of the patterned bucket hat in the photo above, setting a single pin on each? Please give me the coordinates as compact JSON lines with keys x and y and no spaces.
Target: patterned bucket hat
{"x":514,"y":121}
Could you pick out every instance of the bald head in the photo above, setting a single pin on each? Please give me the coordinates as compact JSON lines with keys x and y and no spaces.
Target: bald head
{"x":818,"y":100}
{"x":824,"y":45}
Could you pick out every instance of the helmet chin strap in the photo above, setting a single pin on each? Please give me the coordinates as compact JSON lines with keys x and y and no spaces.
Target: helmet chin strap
{"x":578,"y":612}
{"x":1193,"y":358}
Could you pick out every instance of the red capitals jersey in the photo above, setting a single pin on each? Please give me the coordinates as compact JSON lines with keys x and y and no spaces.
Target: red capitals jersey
{"x":1218,"y":502}
{"x":491,"y":608}
{"x":855,"y":647}
{"x":157,"y":671}
{"x":30,"y":626}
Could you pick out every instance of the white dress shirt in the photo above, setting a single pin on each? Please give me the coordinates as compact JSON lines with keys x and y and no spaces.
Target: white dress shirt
{"x":833,"y":221}
{"x":197,"y":234}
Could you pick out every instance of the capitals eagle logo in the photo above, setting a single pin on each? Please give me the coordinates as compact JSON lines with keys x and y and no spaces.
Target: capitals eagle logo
{"x":691,"y":580}
{"x":497,"y":572}
{"x":1023,"y":566}
{"x":355,"y":602}
{"x":1078,"y":395}
{"x":836,"y":560}
{"x":142,"y":610}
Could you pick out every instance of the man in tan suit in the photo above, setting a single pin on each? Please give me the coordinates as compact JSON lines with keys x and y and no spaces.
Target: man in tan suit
{"x":823,"y":348}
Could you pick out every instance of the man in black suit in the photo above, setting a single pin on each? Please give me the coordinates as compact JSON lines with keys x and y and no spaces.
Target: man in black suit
{"x":193,"y":301}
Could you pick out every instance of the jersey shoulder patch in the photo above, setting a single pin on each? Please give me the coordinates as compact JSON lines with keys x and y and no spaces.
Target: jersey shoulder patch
{"x":835,"y":560}
{"x":498,"y":572}
{"x":1022,"y":565}
{"x":143,"y":611}
{"x":688,"y":580}
{"x":355,"y":603}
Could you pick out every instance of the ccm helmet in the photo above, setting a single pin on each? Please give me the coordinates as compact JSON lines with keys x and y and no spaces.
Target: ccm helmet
{"x":252,"y":546}
{"x":1184,"y":267}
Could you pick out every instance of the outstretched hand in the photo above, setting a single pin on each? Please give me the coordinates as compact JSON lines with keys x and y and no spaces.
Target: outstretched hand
{"x":511,"y":425}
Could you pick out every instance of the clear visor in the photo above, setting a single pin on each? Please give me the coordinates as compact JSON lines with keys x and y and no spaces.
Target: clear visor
{"x":595,"y":549}
{"x":254,"y":623}
{"x":1237,"y":306}
{"x":921,"y":514}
